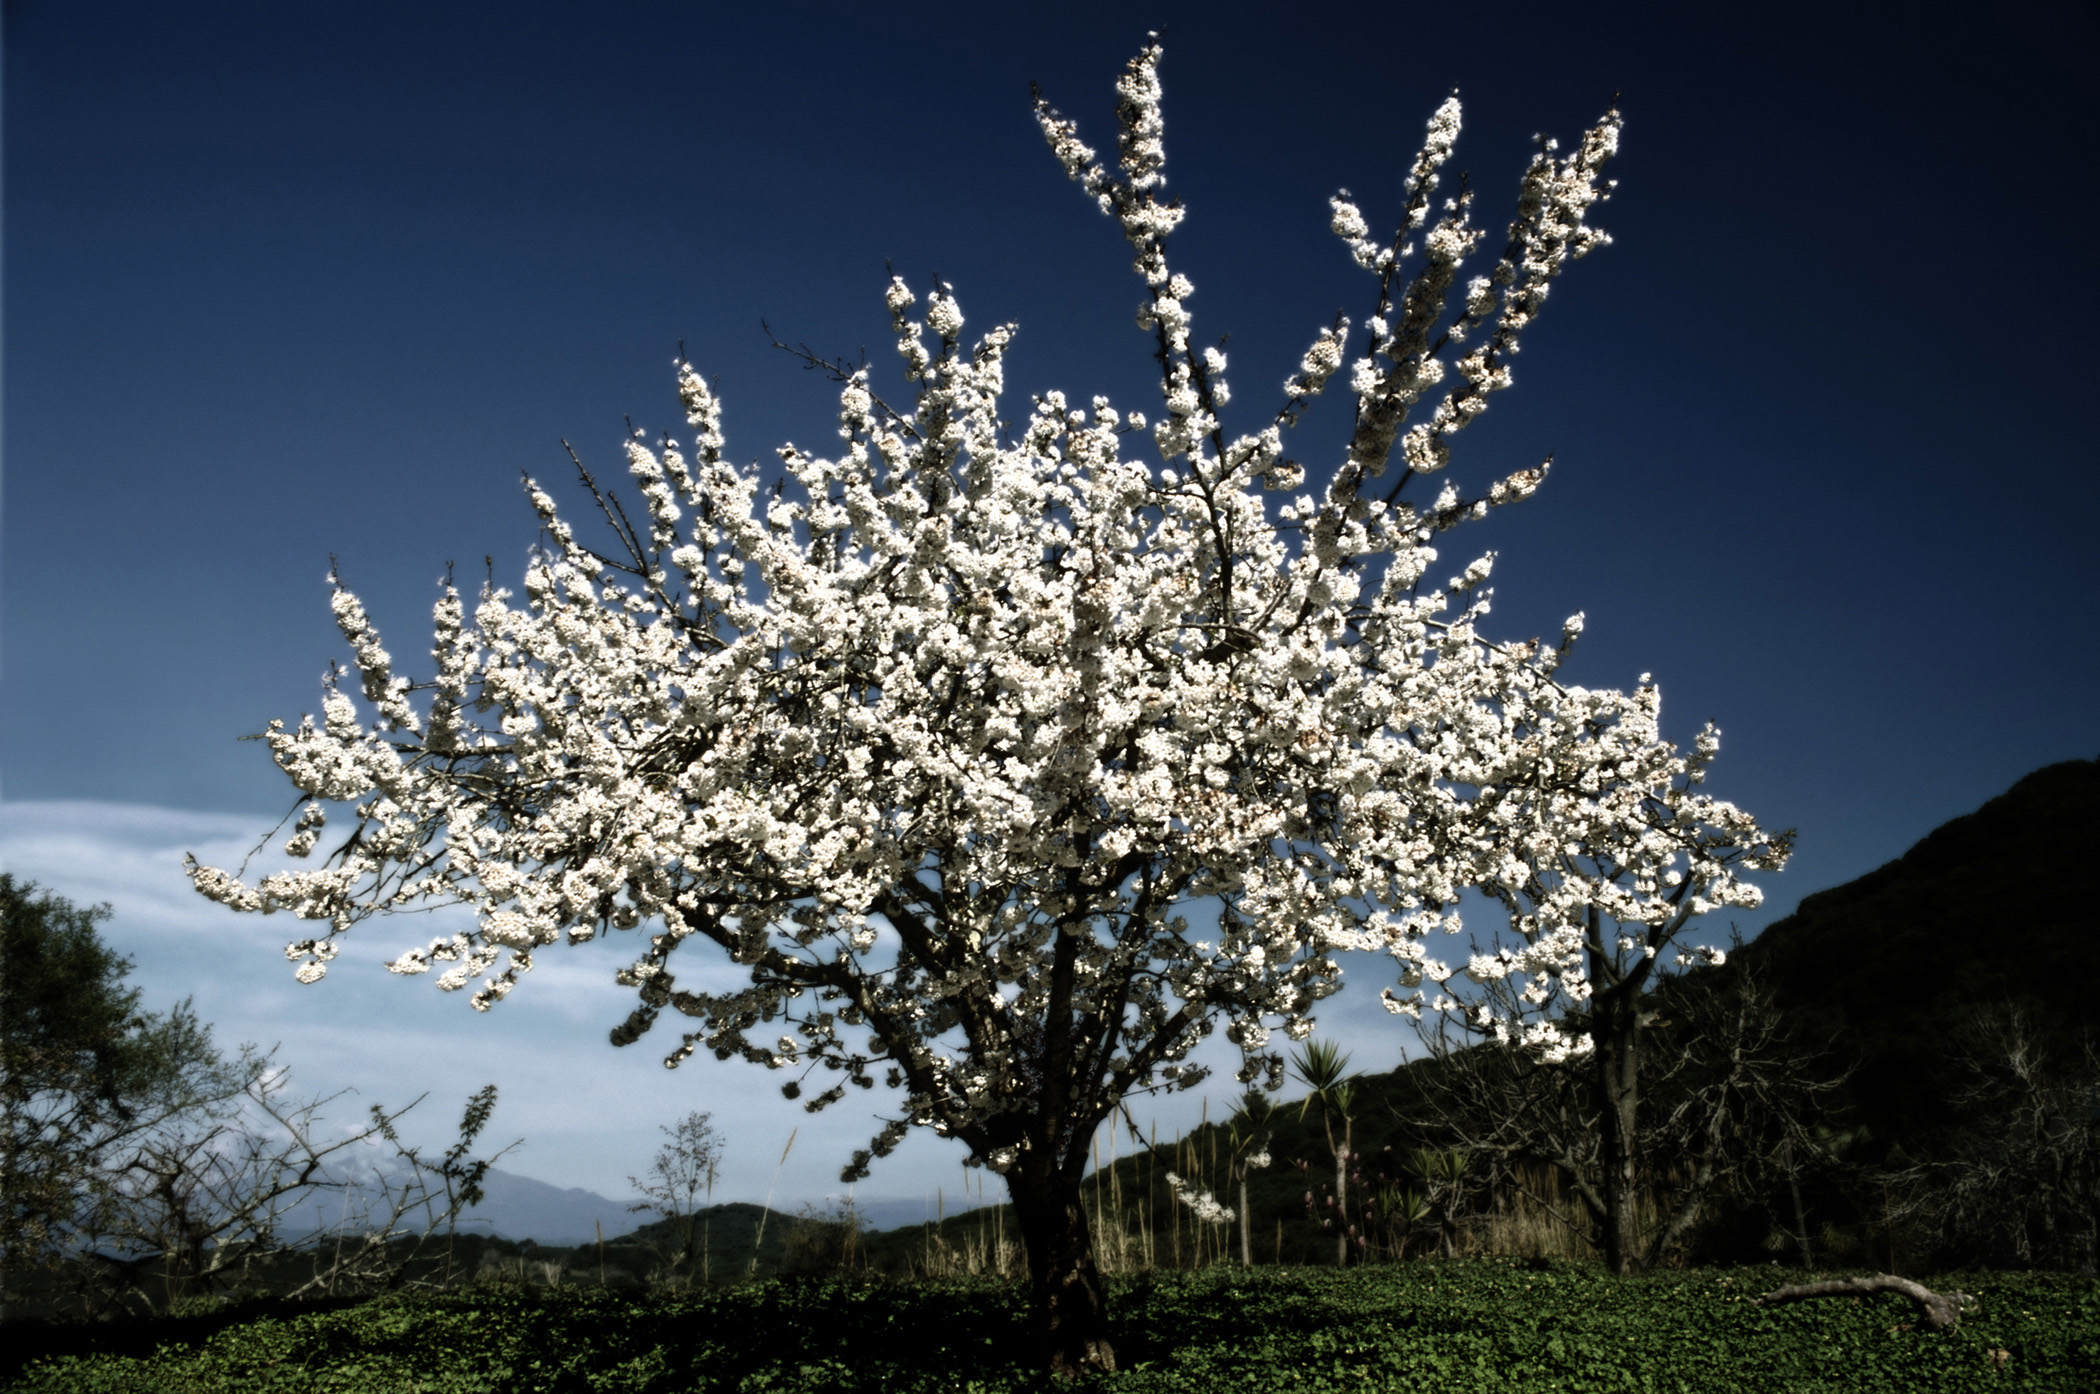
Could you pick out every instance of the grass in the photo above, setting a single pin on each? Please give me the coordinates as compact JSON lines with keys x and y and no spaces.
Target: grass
{"x":1432,"y":1327}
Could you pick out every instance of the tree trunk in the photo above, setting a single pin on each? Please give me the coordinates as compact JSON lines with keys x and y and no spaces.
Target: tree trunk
{"x":1793,"y":1181}
{"x":1341,"y":1195}
{"x":1246,"y":1227}
{"x":1616,"y":1037}
{"x":1067,"y":1307}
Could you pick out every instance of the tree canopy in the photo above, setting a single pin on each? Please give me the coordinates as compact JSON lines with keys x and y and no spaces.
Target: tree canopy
{"x":80,"y":1064}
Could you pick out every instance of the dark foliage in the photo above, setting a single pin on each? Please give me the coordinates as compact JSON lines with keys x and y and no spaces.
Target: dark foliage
{"x":80,"y":1065}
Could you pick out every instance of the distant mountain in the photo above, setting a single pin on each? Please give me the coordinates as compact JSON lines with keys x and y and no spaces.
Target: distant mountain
{"x":518,"y":1207}
{"x":875,"y":1215}
{"x":512,"y":1207}
{"x":898,"y":1214}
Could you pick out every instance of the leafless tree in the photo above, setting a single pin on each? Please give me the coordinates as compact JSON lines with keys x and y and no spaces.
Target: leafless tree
{"x":1727,"y":1095}
{"x":682,"y":1172}
{"x":2012,"y":1176}
{"x":241,"y":1184}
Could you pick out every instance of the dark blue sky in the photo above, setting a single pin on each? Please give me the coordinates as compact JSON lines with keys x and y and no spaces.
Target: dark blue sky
{"x":292,"y":280}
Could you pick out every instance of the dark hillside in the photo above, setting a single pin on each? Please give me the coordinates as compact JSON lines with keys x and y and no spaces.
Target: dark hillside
{"x":1989,"y":908}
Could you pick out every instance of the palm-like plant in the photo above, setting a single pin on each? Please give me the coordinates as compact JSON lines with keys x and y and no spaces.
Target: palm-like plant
{"x":1249,"y":1130}
{"x":1323,"y":1069}
{"x":1443,"y":1174}
{"x":1401,"y":1210}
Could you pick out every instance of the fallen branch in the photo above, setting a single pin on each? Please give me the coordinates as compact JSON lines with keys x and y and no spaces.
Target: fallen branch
{"x":1940,"y":1310}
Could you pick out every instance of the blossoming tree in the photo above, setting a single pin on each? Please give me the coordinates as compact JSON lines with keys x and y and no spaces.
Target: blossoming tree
{"x":1004,"y":764}
{"x":1608,"y":855}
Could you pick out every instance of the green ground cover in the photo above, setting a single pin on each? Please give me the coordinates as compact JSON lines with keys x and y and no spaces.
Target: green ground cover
{"x":1428,"y":1328}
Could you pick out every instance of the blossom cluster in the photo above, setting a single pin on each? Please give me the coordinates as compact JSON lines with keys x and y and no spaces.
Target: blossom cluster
{"x":1202,"y":1204}
{"x":949,"y":738}
{"x":1606,"y":851}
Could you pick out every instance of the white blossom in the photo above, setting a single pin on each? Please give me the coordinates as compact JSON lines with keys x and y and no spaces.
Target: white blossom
{"x":1202,"y":1204}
